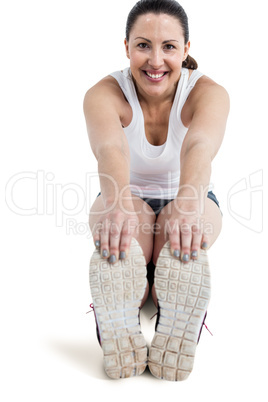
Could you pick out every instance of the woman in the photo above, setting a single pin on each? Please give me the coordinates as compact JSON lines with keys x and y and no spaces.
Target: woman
{"x":154,"y":128}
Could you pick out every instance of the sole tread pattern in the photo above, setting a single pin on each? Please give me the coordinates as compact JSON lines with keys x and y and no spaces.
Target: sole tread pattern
{"x":117,"y":291}
{"x":183,"y":293}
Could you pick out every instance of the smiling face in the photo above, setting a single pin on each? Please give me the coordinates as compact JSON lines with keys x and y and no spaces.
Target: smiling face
{"x":156,"y":50}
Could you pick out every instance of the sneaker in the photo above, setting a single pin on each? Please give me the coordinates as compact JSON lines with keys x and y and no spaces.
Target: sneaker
{"x":117,"y":291}
{"x":183,"y":293}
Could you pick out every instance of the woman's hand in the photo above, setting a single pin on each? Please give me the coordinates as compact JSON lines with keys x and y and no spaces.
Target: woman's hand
{"x":186,"y":232}
{"x":114,"y":231}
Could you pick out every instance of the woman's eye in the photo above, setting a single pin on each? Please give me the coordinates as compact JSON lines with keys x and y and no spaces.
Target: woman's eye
{"x":142,"y":45}
{"x":170,"y":47}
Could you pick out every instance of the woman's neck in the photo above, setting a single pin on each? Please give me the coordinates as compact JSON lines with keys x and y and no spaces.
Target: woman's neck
{"x":155,"y":102}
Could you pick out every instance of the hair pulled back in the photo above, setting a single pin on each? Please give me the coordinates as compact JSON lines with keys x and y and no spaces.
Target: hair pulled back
{"x":169,"y":7}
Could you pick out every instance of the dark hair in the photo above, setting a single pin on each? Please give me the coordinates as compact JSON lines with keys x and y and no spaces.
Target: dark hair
{"x":169,"y":7}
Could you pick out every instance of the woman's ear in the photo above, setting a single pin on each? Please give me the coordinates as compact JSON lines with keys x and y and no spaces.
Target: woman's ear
{"x":186,"y":50}
{"x":127,"y":48}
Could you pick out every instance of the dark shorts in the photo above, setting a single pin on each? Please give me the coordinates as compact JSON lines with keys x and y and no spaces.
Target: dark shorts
{"x":157,"y":204}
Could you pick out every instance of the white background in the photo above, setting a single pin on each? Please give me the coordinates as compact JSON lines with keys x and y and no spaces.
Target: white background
{"x":52,"y":52}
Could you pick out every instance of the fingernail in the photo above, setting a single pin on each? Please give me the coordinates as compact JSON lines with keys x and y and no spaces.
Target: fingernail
{"x":194,"y":254}
{"x":122,"y":255}
{"x":104,"y":253}
{"x":185,"y":257}
{"x":204,"y":244}
{"x":97,"y":243}
{"x":112,"y":259}
{"x":176,"y":253}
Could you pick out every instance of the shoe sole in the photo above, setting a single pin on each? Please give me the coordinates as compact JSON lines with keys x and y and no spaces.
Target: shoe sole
{"x":183,"y":293}
{"x":117,"y":291}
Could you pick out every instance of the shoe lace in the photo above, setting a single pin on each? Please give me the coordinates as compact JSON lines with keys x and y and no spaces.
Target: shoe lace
{"x":153,"y":315}
{"x":207,"y":329}
{"x":201,"y":325}
{"x":92,"y":308}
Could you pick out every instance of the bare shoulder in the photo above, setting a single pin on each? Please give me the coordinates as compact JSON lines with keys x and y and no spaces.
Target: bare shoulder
{"x":107,"y":84}
{"x":106,"y":93}
{"x":103,"y":109}
{"x":207,"y":91}
{"x":205,"y":96}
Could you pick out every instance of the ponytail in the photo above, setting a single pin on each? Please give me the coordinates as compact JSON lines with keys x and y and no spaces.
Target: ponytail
{"x":190,"y":63}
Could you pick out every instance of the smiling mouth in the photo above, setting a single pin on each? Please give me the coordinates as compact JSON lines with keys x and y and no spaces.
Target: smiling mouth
{"x":155,"y":76}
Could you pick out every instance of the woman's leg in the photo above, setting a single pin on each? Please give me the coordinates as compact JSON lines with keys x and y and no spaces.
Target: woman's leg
{"x":183,"y":293}
{"x":144,"y":233}
{"x":211,"y":221}
{"x":118,"y":291}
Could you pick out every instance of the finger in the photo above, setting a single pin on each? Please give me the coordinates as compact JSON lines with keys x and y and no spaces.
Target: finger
{"x":96,"y":234}
{"x":186,"y":241}
{"x":196,"y":241}
{"x":104,"y":238}
{"x":173,"y":232}
{"x":114,"y":240}
{"x":204,"y":242}
{"x":128,"y":230}
{"x":125,"y":241}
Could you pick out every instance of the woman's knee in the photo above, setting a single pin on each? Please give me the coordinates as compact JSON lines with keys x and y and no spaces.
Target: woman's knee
{"x":144,"y":231}
{"x":210,"y":223}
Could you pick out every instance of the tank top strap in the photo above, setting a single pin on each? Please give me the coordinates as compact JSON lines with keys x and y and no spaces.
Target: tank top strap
{"x":189,"y":85}
{"x":125,"y":82}
{"x":192,"y":80}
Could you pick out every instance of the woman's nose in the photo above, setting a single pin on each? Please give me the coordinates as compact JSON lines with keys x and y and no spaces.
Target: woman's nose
{"x":155,"y":59}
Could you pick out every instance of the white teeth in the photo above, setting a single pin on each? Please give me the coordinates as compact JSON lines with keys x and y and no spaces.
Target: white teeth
{"x":154,"y":76}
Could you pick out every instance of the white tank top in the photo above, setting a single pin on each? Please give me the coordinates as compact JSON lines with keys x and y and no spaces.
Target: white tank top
{"x":155,"y":170}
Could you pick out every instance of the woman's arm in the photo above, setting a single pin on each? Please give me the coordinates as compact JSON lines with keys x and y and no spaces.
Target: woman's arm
{"x":209,"y":107}
{"x":102,"y":107}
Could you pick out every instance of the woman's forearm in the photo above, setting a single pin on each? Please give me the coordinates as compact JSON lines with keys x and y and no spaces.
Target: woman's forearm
{"x":195,"y":175}
{"x":113,"y":168}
